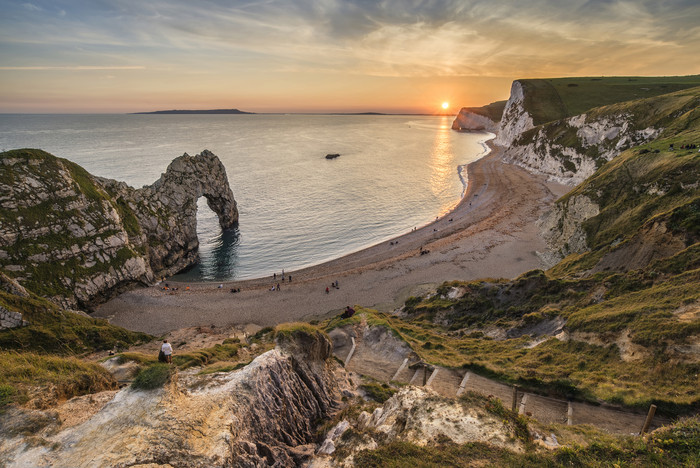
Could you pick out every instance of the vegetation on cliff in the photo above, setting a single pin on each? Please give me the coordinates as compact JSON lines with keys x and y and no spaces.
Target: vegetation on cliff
{"x":677,"y":445}
{"x":78,"y":239}
{"x":552,"y":99}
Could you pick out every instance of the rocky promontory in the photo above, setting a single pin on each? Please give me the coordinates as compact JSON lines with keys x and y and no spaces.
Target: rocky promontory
{"x":263,"y":414}
{"x":485,"y":118}
{"x":78,"y":239}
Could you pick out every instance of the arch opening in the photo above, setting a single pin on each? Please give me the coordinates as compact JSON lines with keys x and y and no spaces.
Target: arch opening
{"x":218,"y":248}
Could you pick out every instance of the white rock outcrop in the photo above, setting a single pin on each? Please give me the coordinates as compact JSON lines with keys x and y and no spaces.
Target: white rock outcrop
{"x":562,"y":228}
{"x":516,"y":118}
{"x":467,"y":120}
{"x":79,"y":239}
{"x":261,"y":415}
{"x":597,"y":140}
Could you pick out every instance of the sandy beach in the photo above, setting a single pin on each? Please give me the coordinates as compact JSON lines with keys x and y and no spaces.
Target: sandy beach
{"x":490,"y":233}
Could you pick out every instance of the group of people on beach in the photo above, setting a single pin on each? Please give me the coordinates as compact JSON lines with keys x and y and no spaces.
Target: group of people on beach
{"x":167,"y":287}
{"x":276,"y":287}
{"x":334,"y":285}
{"x":274,"y":276}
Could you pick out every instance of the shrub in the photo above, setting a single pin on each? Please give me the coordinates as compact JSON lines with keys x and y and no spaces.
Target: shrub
{"x":379,"y":393}
{"x":151,"y":377}
{"x":7,"y":393}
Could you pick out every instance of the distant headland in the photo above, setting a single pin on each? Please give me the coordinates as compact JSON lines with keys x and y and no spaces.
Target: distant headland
{"x":204,"y":111}
{"x":236,"y":111}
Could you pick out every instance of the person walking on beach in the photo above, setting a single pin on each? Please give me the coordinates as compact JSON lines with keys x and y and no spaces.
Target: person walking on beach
{"x":167,"y":351}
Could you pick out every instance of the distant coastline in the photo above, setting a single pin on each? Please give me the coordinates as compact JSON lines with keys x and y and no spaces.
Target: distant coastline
{"x":203,"y":111}
{"x":237,"y":111}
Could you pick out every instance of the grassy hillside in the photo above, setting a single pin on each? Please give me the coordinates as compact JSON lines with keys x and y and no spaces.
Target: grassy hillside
{"x":630,"y":336}
{"x":646,"y":187}
{"x":672,"y":447}
{"x":628,"y":307}
{"x":56,"y":331}
{"x":42,"y":360}
{"x":557,"y":98}
{"x":493,"y":111}
{"x":56,"y":206}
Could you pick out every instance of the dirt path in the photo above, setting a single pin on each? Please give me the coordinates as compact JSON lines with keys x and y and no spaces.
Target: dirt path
{"x":379,"y":355}
{"x":491,"y":233}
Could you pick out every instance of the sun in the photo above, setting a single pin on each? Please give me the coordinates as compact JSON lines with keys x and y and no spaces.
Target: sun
{"x":445,"y":105}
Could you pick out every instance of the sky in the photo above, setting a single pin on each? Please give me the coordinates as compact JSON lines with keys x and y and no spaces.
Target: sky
{"x":105,"y":56}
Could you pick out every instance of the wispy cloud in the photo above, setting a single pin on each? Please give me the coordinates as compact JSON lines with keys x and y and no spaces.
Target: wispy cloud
{"x":252,"y":43}
{"x":387,"y":38}
{"x":75,"y":68}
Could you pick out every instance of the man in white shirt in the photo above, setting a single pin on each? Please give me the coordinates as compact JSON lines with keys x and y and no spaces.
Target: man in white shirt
{"x":167,"y":350}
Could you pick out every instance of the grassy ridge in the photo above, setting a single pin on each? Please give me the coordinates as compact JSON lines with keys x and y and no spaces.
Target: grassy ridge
{"x":640,"y":304}
{"x":556,"y":98}
{"x":493,"y":111}
{"x":56,"y":331}
{"x":48,"y":378}
{"x":41,"y":359}
{"x":675,"y":446}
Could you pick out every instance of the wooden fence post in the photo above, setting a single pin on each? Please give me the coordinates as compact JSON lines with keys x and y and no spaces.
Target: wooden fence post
{"x":647,"y":422}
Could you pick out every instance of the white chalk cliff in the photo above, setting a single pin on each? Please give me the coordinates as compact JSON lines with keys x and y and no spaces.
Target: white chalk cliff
{"x":78,"y":239}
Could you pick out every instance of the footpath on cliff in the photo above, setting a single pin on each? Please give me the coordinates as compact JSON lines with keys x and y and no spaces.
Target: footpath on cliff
{"x":491,"y":233}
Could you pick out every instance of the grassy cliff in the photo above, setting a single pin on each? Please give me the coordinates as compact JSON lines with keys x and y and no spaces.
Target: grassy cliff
{"x":556,"y":98}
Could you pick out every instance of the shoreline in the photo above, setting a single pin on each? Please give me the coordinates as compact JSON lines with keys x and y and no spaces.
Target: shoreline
{"x":462,"y":174}
{"x":488,"y":149}
{"x":489,"y":233}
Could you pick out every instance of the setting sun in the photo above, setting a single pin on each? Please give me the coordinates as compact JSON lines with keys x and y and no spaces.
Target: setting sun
{"x":445,"y":105}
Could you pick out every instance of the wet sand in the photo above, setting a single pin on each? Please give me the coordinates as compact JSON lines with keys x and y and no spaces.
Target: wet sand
{"x":490,"y":233}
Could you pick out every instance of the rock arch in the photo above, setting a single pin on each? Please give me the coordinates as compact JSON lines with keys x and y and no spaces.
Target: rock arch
{"x":172,"y":232}
{"x":78,"y":239}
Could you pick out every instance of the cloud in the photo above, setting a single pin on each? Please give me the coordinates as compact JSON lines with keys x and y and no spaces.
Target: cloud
{"x":265,"y":45}
{"x":31,"y":7}
{"x":76,"y":68}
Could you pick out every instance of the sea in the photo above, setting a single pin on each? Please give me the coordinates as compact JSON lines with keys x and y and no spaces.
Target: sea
{"x":296,"y":207}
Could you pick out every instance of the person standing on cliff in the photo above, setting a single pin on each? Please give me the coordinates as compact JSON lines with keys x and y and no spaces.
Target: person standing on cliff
{"x":167,"y":351}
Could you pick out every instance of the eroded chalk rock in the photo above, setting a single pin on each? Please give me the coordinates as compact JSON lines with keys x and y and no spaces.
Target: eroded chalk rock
{"x":264,"y":414}
{"x":78,"y":239}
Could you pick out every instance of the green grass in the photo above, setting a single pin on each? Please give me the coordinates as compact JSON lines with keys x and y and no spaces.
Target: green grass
{"x":675,"y":446}
{"x":57,"y":377}
{"x":153,"y":376}
{"x":377,"y":391}
{"x":53,"y":330}
{"x":557,"y":98}
{"x":206,"y":356}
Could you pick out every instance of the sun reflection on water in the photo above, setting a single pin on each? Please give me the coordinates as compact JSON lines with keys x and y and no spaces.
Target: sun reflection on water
{"x":442,"y":162}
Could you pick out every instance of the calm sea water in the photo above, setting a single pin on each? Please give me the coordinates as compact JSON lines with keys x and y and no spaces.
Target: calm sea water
{"x":296,"y":208}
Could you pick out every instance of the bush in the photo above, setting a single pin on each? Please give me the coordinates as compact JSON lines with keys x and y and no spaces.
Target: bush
{"x":379,"y":393}
{"x":7,"y":393}
{"x":153,"y":376}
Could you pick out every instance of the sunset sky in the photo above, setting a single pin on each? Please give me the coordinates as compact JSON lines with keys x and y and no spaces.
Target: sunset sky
{"x":324,"y":55}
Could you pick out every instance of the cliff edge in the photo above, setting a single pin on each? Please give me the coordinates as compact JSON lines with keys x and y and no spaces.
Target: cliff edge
{"x":78,"y":239}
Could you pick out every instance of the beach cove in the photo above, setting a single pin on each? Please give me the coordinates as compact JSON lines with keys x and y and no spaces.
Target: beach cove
{"x":490,"y":233}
